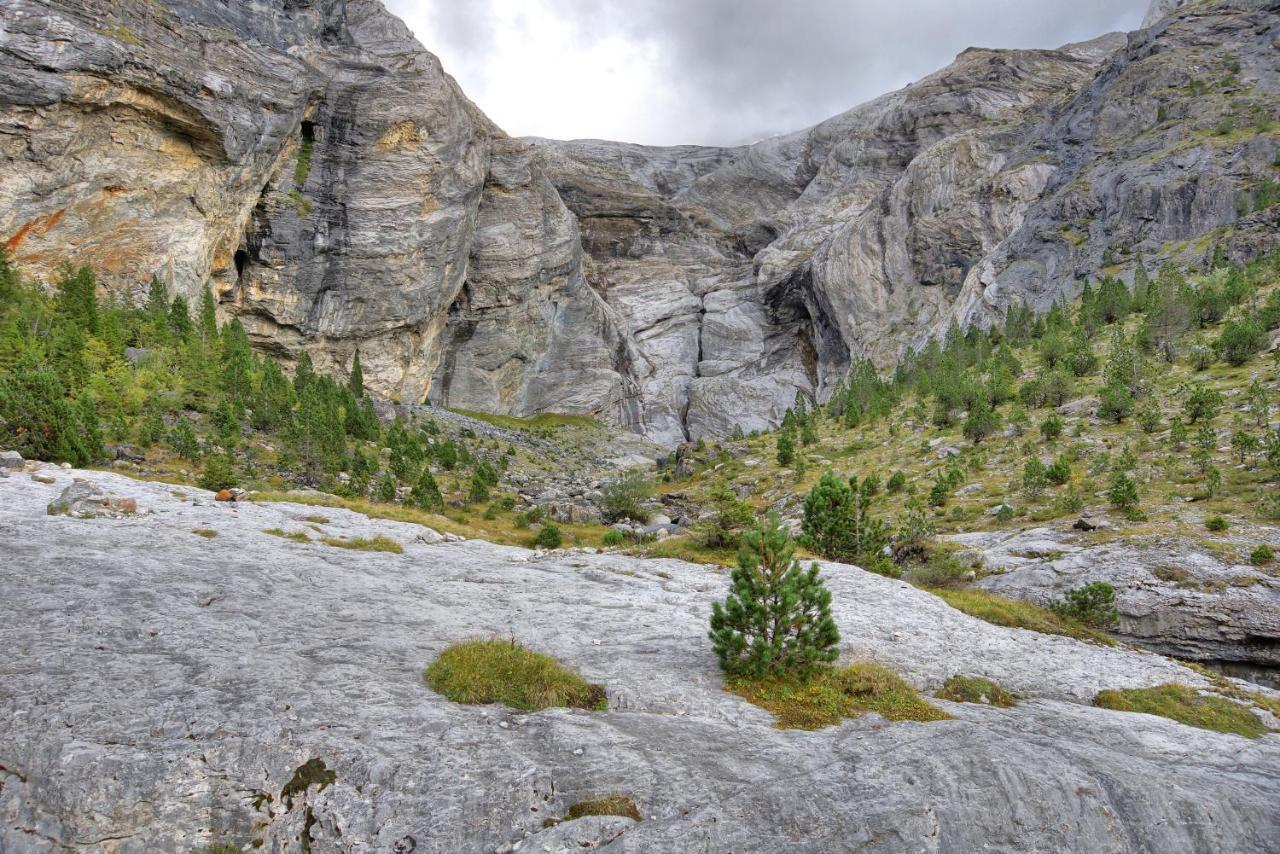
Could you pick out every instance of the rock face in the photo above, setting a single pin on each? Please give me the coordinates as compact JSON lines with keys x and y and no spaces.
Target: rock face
{"x":1173,"y":596}
{"x":338,"y":190}
{"x":164,"y":691}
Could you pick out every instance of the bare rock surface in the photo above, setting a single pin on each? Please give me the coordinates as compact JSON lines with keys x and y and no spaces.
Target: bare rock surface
{"x":1174,"y":596}
{"x":163,"y":690}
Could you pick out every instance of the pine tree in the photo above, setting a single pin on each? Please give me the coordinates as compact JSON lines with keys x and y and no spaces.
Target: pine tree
{"x":180,"y":318}
{"x":786,"y":446}
{"x":776,"y":620}
{"x":981,"y":421}
{"x":356,"y":383}
{"x":76,"y":298}
{"x":386,"y":490}
{"x":208,"y":322}
{"x":426,"y":492}
{"x":827,"y":527}
{"x":38,"y":421}
{"x":303,"y":373}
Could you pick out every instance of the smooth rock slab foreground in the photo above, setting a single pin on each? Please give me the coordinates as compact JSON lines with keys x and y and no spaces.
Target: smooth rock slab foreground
{"x":161,"y":691}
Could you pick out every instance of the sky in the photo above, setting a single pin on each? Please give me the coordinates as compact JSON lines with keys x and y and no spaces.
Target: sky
{"x":719,"y":72}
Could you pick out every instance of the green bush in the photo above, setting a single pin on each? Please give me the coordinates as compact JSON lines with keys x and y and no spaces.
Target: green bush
{"x":940,"y":570}
{"x":729,"y":518}
{"x":1051,"y":428}
{"x":896,"y":483}
{"x":1094,"y":604}
{"x":776,"y":620}
{"x":1262,"y":555}
{"x":1217,"y":524}
{"x":218,"y":473}
{"x":1123,"y":493}
{"x":613,"y":538}
{"x":548,"y":537}
{"x":38,"y":421}
{"x":503,"y":671}
{"x":623,"y":498}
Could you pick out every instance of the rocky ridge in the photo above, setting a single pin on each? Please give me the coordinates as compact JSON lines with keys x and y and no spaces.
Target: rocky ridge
{"x":339,"y":191}
{"x":167,"y":691}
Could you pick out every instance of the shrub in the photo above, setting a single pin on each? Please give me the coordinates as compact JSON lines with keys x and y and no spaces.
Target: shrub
{"x":622,"y":498}
{"x":548,"y":537}
{"x":1240,"y":340}
{"x":1123,"y":494}
{"x":38,"y":421}
{"x":940,"y":570}
{"x":896,"y":483}
{"x":981,"y":421}
{"x":1051,"y":428}
{"x":1185,"y":705}
{"x":217,"y":474}
{"x":786,"y":446}
{"x":729,"y":518}
{"x":1034,"y":477}
{"x":426,"y":492}
{"x":1202,"y":403}
{"x":776,"y":620}
{"x":1058,"y":472}
{"x":1262,"y":555}
{"x":831,"y":695}
{"x":1094,"y":604}
{"x":1149,"y":418}
{"x":503,"y":671}
{"x":1217,"y":524}
{"x":613,"y":538}
{"x":975,"y":689}
{"x":1115,"y":402}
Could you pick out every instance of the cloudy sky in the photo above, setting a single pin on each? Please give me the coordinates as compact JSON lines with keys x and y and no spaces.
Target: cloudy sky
{"x":718,"y":71}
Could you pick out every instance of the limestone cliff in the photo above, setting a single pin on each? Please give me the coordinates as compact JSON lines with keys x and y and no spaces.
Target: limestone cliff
{"x":315,"y":165}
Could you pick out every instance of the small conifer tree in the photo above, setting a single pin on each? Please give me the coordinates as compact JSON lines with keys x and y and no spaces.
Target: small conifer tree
{"x":426,"y":492}
{"x":786,"y":446}
{"x":776,"y":620}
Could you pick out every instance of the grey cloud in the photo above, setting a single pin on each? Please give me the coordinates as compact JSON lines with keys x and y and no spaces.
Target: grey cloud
{"x":743,"y":69}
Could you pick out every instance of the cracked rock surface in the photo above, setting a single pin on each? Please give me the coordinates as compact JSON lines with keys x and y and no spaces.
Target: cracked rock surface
{"x":163,"y":690}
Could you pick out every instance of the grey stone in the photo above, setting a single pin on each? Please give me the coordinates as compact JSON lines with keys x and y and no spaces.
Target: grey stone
{"x":11,"y":461}
{"x":144,"y":664}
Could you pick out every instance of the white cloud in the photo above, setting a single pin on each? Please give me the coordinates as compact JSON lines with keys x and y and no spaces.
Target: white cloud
{"x":718,"y":71}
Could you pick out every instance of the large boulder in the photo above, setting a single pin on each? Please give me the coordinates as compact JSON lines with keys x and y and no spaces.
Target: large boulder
{"x":84,"y":500}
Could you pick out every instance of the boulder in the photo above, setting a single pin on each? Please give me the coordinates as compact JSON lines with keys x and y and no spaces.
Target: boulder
{"x":11,"y":461}
{"x":83,"y":499}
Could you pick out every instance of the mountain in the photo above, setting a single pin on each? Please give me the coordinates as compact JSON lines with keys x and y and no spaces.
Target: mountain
{"x":316,"y":166}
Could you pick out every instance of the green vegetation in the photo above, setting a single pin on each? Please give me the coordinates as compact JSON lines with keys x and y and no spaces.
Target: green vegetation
{"x":379,"y":543}
{"x":502,"y":671}
{"x":1187,"y":706}
{"x":1017,"y":614}
{"x":1217,"y":524}
{"x":207,"y":533}
{"x":830,"y":695}
{"x":1094,"y":605}
{"x":548,"y":537}
{"x":615,"y":804}
{"x":623,"y":498}
{"x":296,"y":536}
{"x":776,"y":621}
{"x":975,"y":689}
{"x":1262,"y":555}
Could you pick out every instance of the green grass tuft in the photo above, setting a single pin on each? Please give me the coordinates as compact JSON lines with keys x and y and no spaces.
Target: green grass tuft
{"x":1017,"y":614}
{"x":207,"y":533}
{"x":1186,"y":706}
{"x":615,"y":804}
{"x":831,"y":695}
{"x":296,"y":536}
{"x":503,"y":671}
{"x":975,"y":689}
{"x":365,"y":544}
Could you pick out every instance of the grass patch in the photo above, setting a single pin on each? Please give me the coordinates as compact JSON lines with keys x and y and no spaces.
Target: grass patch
{"x":296,"y":536}
{"x":503,"y":671}
{"x":832,"y":695}
{"x":619,"y":805}
{"x":316,"y":519}
{"x":207,"y":533}
{"x":975,"y":689}
{"x":1017,"y":614}
{"x":1186,"y":706}
{"x":365,"y":544}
